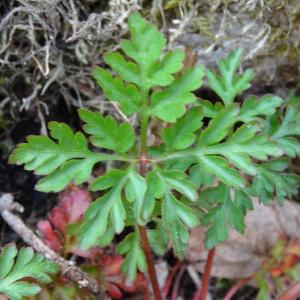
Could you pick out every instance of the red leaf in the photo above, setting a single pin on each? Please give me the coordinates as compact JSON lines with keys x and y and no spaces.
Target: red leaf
{"x":73,"y":203}
{"x":59,"y":218}
{"x":111,"y":265}
{"x":93,"y":253}
{"x":112,"y":276}
{"x":50,"y":237}
{"x":113,"y":291}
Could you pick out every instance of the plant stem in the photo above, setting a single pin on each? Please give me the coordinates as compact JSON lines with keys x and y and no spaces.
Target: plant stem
{"x":150,"y":263}
{"x":142,"y":229}
{"x":206,"y":276}
{"x":143,"y":141}
{"x":233,"y":290}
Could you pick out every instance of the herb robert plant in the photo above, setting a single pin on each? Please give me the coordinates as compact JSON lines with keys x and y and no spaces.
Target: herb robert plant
{"x":207,"y":162}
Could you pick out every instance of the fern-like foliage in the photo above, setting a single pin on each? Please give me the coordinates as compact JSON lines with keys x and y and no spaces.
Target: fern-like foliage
{"x":225,"y":152}
{"x":16,"y":265}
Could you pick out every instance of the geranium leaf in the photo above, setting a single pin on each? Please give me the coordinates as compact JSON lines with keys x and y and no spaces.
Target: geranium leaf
{"x":63,"y":161}
{"x":181,"y":134}
{"x":253,"y":107}
{"x":228,"y":84}
{"x":169,"y":104}
{"x":284,"y":132}
{"x":223,"y":214}
{"x":219,"y":127}
{"x":271,"y":179}
{"x":219,"y":167}
{"x":116,"y":90}
{"x":135,"y":190}
{"x":126,"y":69}
{"x":158,"y":239}
{"x":16,"y":266}
{"x":95,"y":221}
{"x":147,"y":52}
{"x":134,"y":255}
{"x":175,"y":214}
{"x":106,"y":133}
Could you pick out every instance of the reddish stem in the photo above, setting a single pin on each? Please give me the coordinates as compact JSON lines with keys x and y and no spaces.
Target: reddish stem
{"x":170,"y":278}
{"x":150,"y":263}
{"x":176,"y":284}
{"x":145,"y":242}
{"x":146,"y":291}
{"x":291,"y":293}
{"x":202,"y":292}
{"x":232,"y":291}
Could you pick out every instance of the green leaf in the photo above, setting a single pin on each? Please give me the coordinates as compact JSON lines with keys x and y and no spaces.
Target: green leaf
{"x":111,"y":178}
{"x":155,"y":190}
{"x":210,"y":110}
{"x":175,"y":214}
{"x":111,"y":206}
{"x":158,"y":239}
{"x":106,"y":239}
{"x":218,"y":128}
{"x":16,"y":266}
{"x":63,"y":161}
{"x":135,"y":190}
{"x":199,"y":175}
{"x":254,"y":107}
{"x":181,"y":134}
{"x":243,"y":144}
{"x":135,"y":259}
{"x":146,"y":42}
{"x":151,"y":67}
{"x":169,"y":104}
{"x":243,"y":201}
{"x":271,"y":179}
{"x":161,"y":73}
{"x":264,"y":292}
{"x":177,"y":180}
{"x":126,"y":69}
{"x":77,"y":170}
{"x":219,"y":167}
{"x":284,"y":132}
{"x":106,"y":133}
{"x":95,"y":220}
{"x":115,"y":90}
{"x":228,"y":84}
{"x":224,"y":214}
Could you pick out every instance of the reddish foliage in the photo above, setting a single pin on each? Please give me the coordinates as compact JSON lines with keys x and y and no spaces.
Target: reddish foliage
{"x":50,"y":237}
{"x":289,"y":257}
{"x":114,"y":280}
{"x":72,"y":205}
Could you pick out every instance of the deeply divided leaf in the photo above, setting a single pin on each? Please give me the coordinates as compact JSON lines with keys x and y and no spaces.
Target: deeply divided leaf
{"x":134,"y":255}
{"x":169,"y":104}
{"x":64,"y":158}
{"x":181,"y":134}
{"x":228,"y":84}
{"x":116,"y":90}
{"x":16,"y":267}
{"x":106,"y":133}
{"x":224,"y":213}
